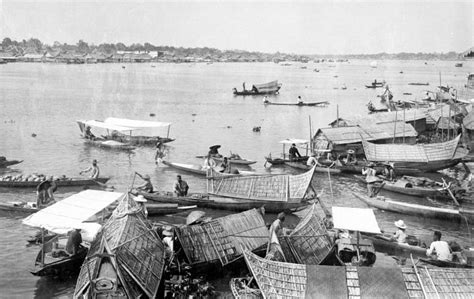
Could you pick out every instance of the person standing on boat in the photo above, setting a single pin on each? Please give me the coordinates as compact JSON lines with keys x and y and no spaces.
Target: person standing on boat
{"x":389,"y":172}
{"x":147,"y":186}
{"x":94,"y":170}
{"x":74,"y":242}
{"x":44,"y":192}
{"x":439,"y":249}
{"x":294,"y":153}
{"x":181,"y":187}
{"x":160,"y":153}
{"x":400,"y":236}
{"x":370,"y":178}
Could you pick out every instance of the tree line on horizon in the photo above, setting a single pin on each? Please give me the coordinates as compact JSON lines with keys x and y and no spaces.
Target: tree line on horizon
{"x":35,"y":45}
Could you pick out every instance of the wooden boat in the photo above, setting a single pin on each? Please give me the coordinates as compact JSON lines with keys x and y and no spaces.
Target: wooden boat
{"x":419,"y":84}
{"x":126,"y":260}
{"x":277,"y":193}
{"x":287,"y":280}
{"x":139,"y":127}
{"x":407,"y":185}
{"x":458,"y":64}
{"x":320,"y":169}
{"x":445,"y":264}
{"x":285,"y":156}
{"x":375,"y":85}
{"x":69,"y":182}
{"x":220,"y":242}
{"x":443,"y":213}
{"x":272,"y":87}
{"x":197,"y":169}
{"x":18,"y":207}
{"x":383,"y":243}
{"x":301,"y":104}
{"x":156,"y":209}
{"x":6,"y":163}
{"x":231,"y":159}
{"x":80,"y":211}
{"x":104,"y":141}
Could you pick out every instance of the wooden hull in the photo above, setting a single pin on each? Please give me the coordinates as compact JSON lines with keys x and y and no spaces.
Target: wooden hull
{"x":279,"y":161}
{"x":20,"y":209}
{"x":9,"y":163}
{"x":311,"y":104}
{"x":419,"y":84}
{"x":374,"y":86}
{"x":140,"y":140}
{"x":414,"y":191}
{"x":224,"y":203}
{"x":197,"y":169}
{"x":317,"y":169}
{"x":231,"y":161}
{"x":59,"y":183}
{"x":416,"y":209}
{"x":395,"y":248}
{"x":64,"y":267}
{"x":445,"y":264}
{"x":420,"y":167}
{"x":156,"y":209}
{"x":114,"y":146}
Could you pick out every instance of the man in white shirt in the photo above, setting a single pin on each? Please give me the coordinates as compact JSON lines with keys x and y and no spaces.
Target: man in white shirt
{"x":439,"y":249}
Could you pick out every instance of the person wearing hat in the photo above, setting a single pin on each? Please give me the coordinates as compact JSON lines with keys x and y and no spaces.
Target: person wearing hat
{"x":389,"y":172}
{"x":74,"y":242}
{"x":371,"y":179}
{"x":294,"y":153}
{"x":141,"y":200}
{"x":168,"y":239}
{"x":44,"y":192}
{"x":180,"y":187}
{"x":400,"y":236}
{"x":147,"y":186}
{"x":94,"y":170}
{"x":350,"y":158}
{"x":313,"y":160}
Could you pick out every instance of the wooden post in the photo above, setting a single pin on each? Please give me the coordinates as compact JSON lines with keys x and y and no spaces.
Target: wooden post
{"x":395,"y":126}
{"x":42,"y":247}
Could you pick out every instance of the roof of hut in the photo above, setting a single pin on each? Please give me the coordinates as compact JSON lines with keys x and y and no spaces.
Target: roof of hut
{"x":445,"y":110}
{"x":223,"y":239}
{"x":446,"y":123}
{"x":370,"y":132}
{"x":424,"y":152}
{"x":134,"y":248}
{"x":408,"y":115}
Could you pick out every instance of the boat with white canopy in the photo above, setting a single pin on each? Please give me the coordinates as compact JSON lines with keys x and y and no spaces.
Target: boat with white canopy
{"x":146,"y":132}
{"x":84,"y":211}
{"x":105,"y":140}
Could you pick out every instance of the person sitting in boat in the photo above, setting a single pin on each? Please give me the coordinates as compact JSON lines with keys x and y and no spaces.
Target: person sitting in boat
{"x":389,"y":172}
{"x":214,"y":151}
{"x":147,"y":186}
{"x":439,"y":249}
{"x":209,"y":163}
{"x":141,"y":200}
{"x":400,"y":236}
{"x":371,"y":179}
{"x":350,"y":157}
{"x":294,"y":153}
{"x":94,"y":170}
{"x":225,"y":166}
{"x":314,"y":160}
{"x":300,"y":101}
{"x":181,"y":187}
{"x":44,"y":192}
{"x":243,"y":86}
{"x":74,"y":241}
{"x":160,"y":152}
{"x":88,"y":134}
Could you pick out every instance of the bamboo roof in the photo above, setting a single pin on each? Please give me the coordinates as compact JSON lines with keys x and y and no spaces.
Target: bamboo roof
{"x":445,"y":110}
{"x":446,"y":123}
{"x":369,"y":132}
{"x":286,"y":280}
{"x":309,"y":243}
{"x":408,"y":115}
{"x":411,"y":153}
{"x":134,"y":248}
{"x":282,"y":187}
{"x":223,"y":239}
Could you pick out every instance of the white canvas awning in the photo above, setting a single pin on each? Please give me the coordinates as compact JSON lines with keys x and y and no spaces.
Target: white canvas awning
{"x":136,"y":123}
{"x":71,"y":212}
{"x":295,"y":141}
{"x":99,"y":124}
{"x":355,"y":219}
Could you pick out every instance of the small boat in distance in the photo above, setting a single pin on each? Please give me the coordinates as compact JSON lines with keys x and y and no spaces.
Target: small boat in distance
{"x":5,"y":163}
{"x":272,"y":87}
{"x":300,"y":104}
{"x":419,"y":84}
{"x":459,"y":64}
{"x":376,"y":84}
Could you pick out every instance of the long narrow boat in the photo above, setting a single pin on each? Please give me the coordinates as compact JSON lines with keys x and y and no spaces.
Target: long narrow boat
{"x":139,"y":127}
{"x":110,"y":144}
{"x":301,"y":104}
{"x":416,"y":209}
{"x":406,"y":186}
{"x":272,"y":87}
{"x":320,"y":169}
{"x":419,"y":84}
{"x":285,"y":156}
{"x":18,"y":207}
{"x":383,"y":244}
{"x":6,"y":163}
{"x":156,"y":209}
{"x":275,"y":192}
{"x":445,"y":264}
{"x":70,"y":182}
{"x":197,"y":169}
{"x":231,"y":160}
{"x":103,"y":142}
{"x":126,"y":259}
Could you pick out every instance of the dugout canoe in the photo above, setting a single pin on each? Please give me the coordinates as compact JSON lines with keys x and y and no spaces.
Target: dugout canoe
{"x":382,"y":243}
{"x":110,"y":144}
{"x":445,"y":264}
{"x":17,"y":207}
{"x":300,"y":104}
{"x":156,"y":209}
{"x":320,"y":169}
{"x":71,"y":182}
{"x":221,"y":203}
{"x":443,"y":213}
{"x":7,"y":163}
{"x":197,"y":169}
{"x":230,"y":160}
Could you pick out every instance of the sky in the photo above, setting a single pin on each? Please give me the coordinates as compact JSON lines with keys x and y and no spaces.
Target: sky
{"x":301,"y":27}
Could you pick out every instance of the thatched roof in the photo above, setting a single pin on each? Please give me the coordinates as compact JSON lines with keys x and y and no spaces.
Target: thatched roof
{"x":285,"y":280}
{"x":410,"y":153}
{"x":282,"y":187}
{"x":223,"y":239}
{"x":468,"y":121}
{"x":446,"y":123}
{"x":445,"y":110}
{"x":309,"y":243}
{"x":370,"y":132}
{"x":409,"y":115}
{"x":128,"y":243}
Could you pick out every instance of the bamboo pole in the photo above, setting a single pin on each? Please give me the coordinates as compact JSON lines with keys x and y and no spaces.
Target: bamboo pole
{"x":395,"y":126}
{"x":310,"y":135}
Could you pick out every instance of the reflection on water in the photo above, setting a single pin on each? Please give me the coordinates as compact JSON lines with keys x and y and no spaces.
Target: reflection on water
{"x":47,"y":99}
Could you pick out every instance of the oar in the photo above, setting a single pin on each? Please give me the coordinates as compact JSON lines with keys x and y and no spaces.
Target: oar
{"x":451,"y":193}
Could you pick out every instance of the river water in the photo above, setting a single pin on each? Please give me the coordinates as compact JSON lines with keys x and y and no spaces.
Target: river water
{"x":47,"y":99}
